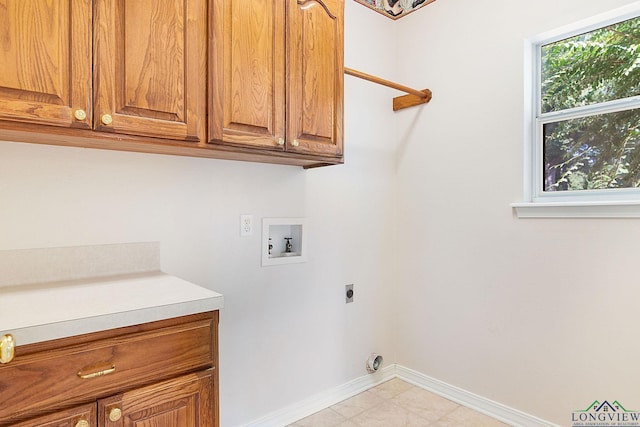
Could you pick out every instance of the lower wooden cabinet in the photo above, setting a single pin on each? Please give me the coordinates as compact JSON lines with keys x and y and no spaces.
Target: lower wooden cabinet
{"x":80,"y":416}
{"x":160,"y":374}
{"x":186,"y":402}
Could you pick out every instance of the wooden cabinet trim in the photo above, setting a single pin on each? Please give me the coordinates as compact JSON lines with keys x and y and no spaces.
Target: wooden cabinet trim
{"x":109,"y":141}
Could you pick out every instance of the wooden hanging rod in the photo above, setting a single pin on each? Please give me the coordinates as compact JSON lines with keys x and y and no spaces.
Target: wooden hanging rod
{"x":415,"y":97}
{"x":384,"y":82}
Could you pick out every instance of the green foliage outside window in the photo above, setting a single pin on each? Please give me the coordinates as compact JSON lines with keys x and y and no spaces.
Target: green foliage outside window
{"x":597,"y":150}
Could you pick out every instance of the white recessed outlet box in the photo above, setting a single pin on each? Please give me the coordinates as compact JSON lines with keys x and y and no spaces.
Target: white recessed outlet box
{"x":283,"y":241}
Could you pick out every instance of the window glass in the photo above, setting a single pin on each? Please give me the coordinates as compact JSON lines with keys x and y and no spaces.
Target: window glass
{"x":594,"y":67}
{"x":593,"y":153}
{"x":588,"y":125}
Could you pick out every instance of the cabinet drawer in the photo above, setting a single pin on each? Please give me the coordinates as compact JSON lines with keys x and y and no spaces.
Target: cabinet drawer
{"x":74,"y":373}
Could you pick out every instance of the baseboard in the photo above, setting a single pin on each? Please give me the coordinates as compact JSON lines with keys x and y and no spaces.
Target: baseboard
{"x":318,"y":402}
{"x":496,"y":410}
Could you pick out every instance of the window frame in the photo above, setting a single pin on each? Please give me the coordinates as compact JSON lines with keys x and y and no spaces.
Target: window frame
{"x":624,"y":202}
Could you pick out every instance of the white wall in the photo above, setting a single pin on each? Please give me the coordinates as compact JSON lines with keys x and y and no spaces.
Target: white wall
{"x":539,"y":315}
{"x":286,"y":332}
{"x":535,"y":314}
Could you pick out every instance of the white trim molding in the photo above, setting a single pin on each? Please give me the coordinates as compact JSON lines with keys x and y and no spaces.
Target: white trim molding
{"x":496,"y":410}
{"x":323,"y":400}
{"x":587,"y":209}
{"x":318,"y":402}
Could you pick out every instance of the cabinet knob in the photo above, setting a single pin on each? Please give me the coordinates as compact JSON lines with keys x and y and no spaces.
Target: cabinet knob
{"x":80,"y":114}
{"x":115,"y":414}
{"x":106,"y":119}
{"x":280,"y":141}
{"x":82,"y":423}
{"x":295,"y":143}
{"x":7,"y":348}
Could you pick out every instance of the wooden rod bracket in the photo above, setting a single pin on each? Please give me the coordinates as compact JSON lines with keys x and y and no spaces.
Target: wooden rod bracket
{"x":414,"y":97}
{"x":406,"y":101}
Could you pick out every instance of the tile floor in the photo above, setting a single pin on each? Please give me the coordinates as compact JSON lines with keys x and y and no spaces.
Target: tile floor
{"x":397,"y":403}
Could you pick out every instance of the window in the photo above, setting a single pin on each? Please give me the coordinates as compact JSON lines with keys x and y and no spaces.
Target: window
{"x":584,"y":118}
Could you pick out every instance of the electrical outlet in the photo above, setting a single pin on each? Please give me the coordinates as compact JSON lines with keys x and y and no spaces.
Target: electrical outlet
{"x":246,"y":225}
{"x":348,"y":289}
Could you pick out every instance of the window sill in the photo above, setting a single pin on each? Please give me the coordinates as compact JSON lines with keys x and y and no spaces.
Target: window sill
{"x":627,"y":209}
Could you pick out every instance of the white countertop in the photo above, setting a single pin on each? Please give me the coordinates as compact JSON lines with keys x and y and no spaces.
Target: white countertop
{"x":42,"y":312}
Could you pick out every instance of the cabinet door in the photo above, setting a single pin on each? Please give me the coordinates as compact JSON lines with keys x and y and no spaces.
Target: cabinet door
{"x":65,"y":418}
{"x":247,"y":73}
{"x":315,"y":76}
{"x":187,"y":401}
{"x":150,"y":68}
{"x":45,"y":52}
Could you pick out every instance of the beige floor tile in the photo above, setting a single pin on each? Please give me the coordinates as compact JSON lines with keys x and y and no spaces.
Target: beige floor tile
{"x":391,"y":388}
{"x":325,"y":418}
{"x":357,"y":404}
{"x":397,"y":403}
{"x":389,"y":414}
{"x":464,"y":417}
{"x":424,"y":403}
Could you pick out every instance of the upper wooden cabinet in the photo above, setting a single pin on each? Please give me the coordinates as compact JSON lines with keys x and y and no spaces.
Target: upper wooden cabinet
{"x":315,"y":76}
{"x":150,"y":68}
{"x":258,"y":80}
{"x":276,"y":75}
{"x":247,"y":73}
{"x":45,"y":52}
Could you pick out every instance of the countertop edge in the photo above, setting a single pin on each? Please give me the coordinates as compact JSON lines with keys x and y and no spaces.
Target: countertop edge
{"x":52,"y":331}
{"x":90,"y":310}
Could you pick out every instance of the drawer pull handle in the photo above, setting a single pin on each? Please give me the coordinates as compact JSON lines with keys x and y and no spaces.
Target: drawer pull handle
{"x":107,"y":371}
{"x":7,"y":348}
{"x":83,"y":423}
